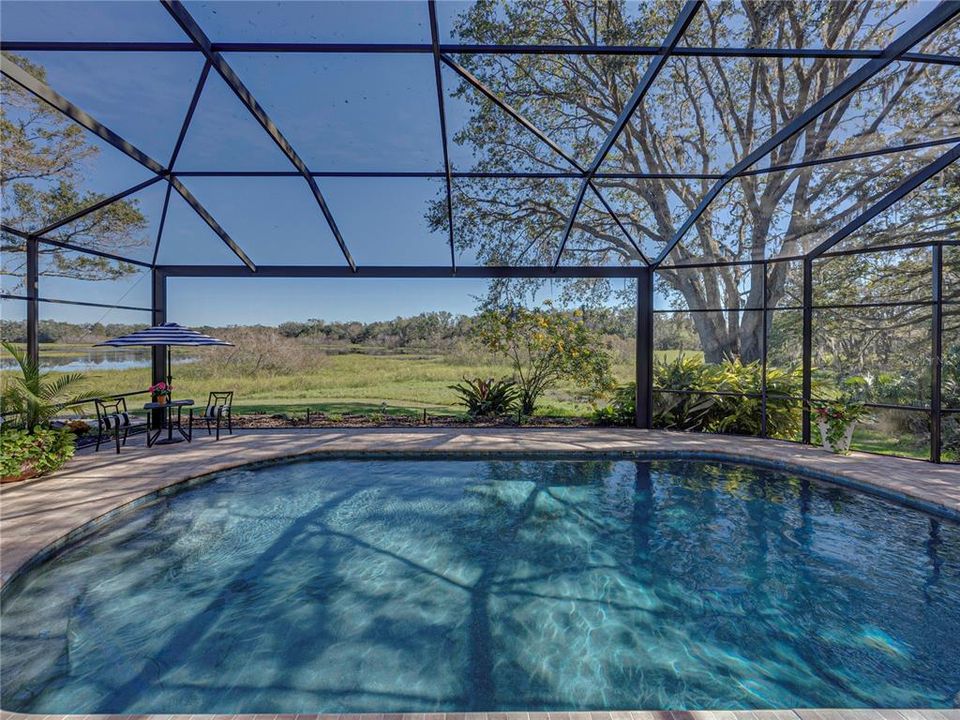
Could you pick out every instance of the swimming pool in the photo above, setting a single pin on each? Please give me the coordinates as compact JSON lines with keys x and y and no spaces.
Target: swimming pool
{"x":342,"y":585}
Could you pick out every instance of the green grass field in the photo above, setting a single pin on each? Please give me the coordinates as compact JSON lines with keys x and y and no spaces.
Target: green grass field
{"x":342,"y":383}
{"x":372,"y":381}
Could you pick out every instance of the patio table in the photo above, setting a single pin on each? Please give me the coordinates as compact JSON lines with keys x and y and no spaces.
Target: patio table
{"x":167,"y":408}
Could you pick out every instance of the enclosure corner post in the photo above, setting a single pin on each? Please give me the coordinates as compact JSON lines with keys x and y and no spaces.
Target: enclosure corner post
{"x":33,"y":302}
{"x":158,"y":352}
{"x":644,"y":360}
{"x":807,"y":344}
{"x":936,"y":356}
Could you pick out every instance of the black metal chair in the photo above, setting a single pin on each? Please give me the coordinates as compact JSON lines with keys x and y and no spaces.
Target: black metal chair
{"x":218,"y":409}
{"x":113,"y":418}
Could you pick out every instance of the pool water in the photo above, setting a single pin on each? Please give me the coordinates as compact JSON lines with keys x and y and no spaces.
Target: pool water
{"x":343,"y":585}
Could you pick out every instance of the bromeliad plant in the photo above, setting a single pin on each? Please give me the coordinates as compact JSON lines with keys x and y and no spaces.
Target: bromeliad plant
{"x":837,"y":420}
{"x":485,"y":398}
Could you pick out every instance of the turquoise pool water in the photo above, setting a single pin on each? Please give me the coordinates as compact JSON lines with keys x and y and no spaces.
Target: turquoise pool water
{"x":419,"y":585}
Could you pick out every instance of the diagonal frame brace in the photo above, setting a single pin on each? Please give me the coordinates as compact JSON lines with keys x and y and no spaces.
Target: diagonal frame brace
{"x":435,"y":38}
{"x":184,"y":127}
{"x":45,"y":93}
{"x":894,"y":196}
{"x":186,"y":22}
{"x":679,"y":27}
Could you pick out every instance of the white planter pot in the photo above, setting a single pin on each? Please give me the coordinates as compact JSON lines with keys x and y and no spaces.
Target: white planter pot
{"x":843,"y":446}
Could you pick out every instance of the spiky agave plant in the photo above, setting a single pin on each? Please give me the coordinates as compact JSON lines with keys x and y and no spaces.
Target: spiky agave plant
{"x":34,"y":396}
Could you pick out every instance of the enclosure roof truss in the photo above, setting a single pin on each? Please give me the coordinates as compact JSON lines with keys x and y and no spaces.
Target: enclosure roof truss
{"x":903,"y":47}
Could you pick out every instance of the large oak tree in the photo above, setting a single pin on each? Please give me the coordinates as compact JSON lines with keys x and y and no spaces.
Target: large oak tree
{"x":701,"y":116}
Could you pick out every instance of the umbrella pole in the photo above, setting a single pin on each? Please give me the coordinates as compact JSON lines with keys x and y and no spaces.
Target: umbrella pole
{"x":169,"y":367}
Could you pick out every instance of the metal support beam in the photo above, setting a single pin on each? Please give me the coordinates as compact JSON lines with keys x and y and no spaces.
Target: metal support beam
{"x":184,"y":127}
{"x":81,"y":303}
{"x":644,"y":351}
{"x":679,"y":27}
{"x":73,"y":217}
{"x":401,"y":271}
{"x":936,"y":18}
{"x":161,"y":224}
{"x":159,"y":363}
{"x":764,"y":342}
{"x":425,"y":48}
{"x":571,"y":175}
{"x":186,"y":22}
{"x":894,"y":196}
{"x":32,"y":289}
{"x":936,"y":356}
{"x":435,"y":38}
{"x":191,"y":109}
{"x":807,"y":345}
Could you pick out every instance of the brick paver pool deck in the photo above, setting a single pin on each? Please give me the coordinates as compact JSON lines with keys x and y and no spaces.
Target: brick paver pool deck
{"x":37,"y":517}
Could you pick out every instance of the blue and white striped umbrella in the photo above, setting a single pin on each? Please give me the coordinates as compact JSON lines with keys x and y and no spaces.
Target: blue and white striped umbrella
{"x":166,"y":334}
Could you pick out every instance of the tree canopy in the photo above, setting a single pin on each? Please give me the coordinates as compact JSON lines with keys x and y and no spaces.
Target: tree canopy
{"x":45,"y":158}
{"x":702,"y":115}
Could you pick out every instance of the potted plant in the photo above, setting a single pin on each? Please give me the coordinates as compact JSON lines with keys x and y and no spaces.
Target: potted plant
{"x":160,"y":392}
{"x":837,"y":420}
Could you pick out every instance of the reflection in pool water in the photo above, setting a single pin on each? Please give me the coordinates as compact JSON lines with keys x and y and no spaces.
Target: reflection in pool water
{"x":392,"y":585}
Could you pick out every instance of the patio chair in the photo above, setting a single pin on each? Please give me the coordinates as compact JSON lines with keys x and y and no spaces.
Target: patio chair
{"x":113,"y":418}
{"x":218,"y":411}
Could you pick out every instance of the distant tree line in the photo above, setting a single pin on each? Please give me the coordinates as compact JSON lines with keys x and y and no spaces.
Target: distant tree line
{"x":434,"y":329}
{"x":438,"y":330}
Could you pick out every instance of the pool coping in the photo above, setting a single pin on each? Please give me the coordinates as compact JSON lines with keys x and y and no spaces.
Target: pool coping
{"x":47,"y":514}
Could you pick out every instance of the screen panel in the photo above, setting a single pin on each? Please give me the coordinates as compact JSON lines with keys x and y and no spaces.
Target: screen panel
{"x":879,"y":355}
{"x":350,"y":112}
{"x":318,"y":21}
{"x":391,"y":221}
{"x":276,"y":220}
{"x":815,"y":25}
{"x":510,"y":221}
{"x":92,"y":20}
{"x":879,"y":277}
{"x":704,"y":114}
{"x":142,"y":96}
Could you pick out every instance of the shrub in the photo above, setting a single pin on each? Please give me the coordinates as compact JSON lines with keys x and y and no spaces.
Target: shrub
{"x":545,"y":346}
{"x":25,"y":454}
{"x":484,"y":398}
{"x":622,"y":408}
{"x":697,"y":409}
{"x":688,"y":410}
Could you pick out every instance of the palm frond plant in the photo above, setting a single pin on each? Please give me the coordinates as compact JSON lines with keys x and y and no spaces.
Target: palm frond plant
{"x":35,"y":397}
